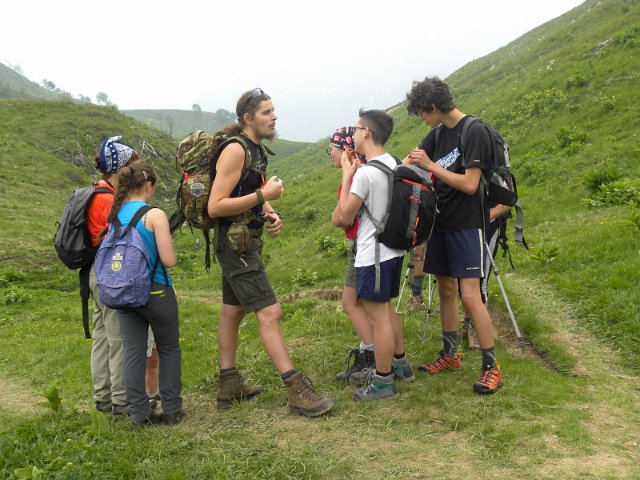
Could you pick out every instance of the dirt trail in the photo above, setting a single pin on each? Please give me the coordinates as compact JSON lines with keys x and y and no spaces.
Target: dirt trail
{"x":18,"y":399}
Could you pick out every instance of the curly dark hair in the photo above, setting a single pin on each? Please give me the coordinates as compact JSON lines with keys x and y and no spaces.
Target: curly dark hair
{"x":429,"y":94}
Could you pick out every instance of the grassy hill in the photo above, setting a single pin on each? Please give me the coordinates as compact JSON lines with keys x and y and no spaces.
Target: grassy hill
{"x":14,"y":85}
{"x":564,"y":97}
{"x":179,"y":123}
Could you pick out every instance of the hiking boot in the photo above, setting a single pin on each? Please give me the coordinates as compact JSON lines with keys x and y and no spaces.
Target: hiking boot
{"x":402,"y":370}
{"x":365,"y":360}
{"x":379,"y":388}
{"x":303,"y":399}
{"x":490,"y":380}
{"x":363,"y":377}
{"x":154,"y":419}
{"x":231,"y":388}
{"x":173,"y":418}
{"x":442,"y":363}
{"x":356,"y":366}
{"x":103,"y":407}
{"x":416,"y":303}
{"x":118,"y":410}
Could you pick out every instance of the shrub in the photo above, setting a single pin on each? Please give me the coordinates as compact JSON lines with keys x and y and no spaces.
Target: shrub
{"x":15,"y":295}
{"x":625,"y":191}
{"x":326,"y":243}
{"x":569,"y":137}
{"x":577,"y":80}
{"x":598,"y":176}
{"x":304,"y":277}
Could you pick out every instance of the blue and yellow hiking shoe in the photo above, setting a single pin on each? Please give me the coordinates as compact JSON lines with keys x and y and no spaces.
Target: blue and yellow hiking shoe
{"x":379,"y":388}
{"x":490,"y":380}
{"x":402,"y":370}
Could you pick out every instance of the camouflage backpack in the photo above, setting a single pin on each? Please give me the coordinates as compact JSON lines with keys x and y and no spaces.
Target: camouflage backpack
{"x":196,"y":157}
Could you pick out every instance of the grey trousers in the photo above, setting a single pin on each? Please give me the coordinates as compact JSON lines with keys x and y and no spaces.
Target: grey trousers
{"x":107,"y":351}
{"x":161,"y":313}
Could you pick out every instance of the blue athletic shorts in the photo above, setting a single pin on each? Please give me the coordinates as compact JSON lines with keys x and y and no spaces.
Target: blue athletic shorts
{"x":456,"y":254}
{"x":390,"y":273}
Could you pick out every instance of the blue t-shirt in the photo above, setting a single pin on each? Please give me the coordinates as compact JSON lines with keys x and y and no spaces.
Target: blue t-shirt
{"x":125,"y":215}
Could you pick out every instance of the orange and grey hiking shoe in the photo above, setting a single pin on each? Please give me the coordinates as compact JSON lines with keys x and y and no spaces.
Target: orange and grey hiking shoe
{"x":442,"y":363}
{"x":490,"y":380}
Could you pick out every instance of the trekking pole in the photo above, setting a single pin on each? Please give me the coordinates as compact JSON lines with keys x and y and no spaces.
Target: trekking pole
{"x":404,"y":283}
{"x":504,"y":295}
{"x":431,"y":288}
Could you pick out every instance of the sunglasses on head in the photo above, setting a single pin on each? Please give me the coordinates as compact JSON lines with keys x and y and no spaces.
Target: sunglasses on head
{"x":255,"y":93}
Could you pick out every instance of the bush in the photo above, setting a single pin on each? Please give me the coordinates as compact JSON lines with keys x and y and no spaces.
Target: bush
{"x":598,"y":176}
{"x":14,"y":295}
{"x":625,"y":191}
{"x":569,"y":137}
{"x":577,"y":80}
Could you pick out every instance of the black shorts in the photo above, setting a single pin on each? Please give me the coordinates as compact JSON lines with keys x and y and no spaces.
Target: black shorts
{"x":456,"y":254}
{"x":244,"y":278}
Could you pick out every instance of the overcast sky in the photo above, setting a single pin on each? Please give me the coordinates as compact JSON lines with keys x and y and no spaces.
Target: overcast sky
{"x":319,"y":61}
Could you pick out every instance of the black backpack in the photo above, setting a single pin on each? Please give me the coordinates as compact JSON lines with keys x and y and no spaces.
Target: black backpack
{"x":72,"y":239}
{"x":72,"y":242}
{"x":411,"y":211}
{"x":494,"y":181}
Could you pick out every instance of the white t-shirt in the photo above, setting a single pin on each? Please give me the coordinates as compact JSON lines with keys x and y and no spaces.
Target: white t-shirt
{"x":372,"y":186}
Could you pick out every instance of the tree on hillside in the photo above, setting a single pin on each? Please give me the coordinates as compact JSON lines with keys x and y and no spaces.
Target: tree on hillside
{"x":196,"y":108}
{"x":49,"y":85}
{"x":17,"y":68}
{"x":103,"y":99}
{"x":84,"y":99}
{"x":223,"y":116}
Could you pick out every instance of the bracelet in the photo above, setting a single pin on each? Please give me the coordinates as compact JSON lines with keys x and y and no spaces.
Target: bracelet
{"x":260,"y":196}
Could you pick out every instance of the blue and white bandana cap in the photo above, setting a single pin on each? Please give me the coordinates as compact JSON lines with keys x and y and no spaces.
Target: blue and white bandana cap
{"x":113,"y":155}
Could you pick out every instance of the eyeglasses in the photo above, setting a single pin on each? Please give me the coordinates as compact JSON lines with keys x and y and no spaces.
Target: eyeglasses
{"x":362,"y":128}
{"x":328,"y":150}
{"x":255,"y":93}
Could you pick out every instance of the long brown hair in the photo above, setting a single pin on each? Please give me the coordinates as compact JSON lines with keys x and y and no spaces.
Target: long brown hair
{"x":248,"y":103}
{"x":131,"y":179}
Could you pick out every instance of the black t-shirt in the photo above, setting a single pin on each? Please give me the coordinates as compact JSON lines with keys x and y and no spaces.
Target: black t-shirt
{"x":256,"y":176}
{"x":457,"y":209}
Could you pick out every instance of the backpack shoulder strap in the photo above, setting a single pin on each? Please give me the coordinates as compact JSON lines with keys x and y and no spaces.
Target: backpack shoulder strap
{"x":379,"y":225}
{"x":461,"y":143}
{"x":134,"y":220}
{"x":102,"y":190}
{"x":247,"y":155}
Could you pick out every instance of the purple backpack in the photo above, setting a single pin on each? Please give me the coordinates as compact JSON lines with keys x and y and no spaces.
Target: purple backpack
{"x":123,"y":267}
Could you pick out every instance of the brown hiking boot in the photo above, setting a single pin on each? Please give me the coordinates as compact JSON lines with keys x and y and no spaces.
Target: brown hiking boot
{"x":303,"y":399}
{"x":231,"y":388}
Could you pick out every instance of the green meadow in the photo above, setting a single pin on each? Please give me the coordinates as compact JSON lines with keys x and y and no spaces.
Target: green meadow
{"x":564,"y":96}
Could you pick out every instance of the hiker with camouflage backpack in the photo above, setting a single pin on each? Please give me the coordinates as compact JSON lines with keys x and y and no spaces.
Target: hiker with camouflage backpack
{"x":240,"y":201}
